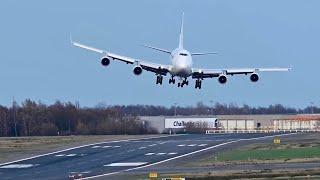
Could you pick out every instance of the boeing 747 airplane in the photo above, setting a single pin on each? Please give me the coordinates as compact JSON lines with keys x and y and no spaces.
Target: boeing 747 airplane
{"x":181,"y":65}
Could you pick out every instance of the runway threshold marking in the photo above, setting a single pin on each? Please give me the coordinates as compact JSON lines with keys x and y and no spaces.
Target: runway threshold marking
{"x":126,"y":164}
{"x":184,"y":155}
{"x":87,"y":145}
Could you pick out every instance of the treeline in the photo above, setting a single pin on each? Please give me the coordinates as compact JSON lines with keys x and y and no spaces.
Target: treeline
{"x":37,"y":119}
{"x":32,"y":118}
{"x":216,"y":109}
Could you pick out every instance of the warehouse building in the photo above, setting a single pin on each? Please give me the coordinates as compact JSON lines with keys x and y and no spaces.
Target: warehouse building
{"x":167,"y":124}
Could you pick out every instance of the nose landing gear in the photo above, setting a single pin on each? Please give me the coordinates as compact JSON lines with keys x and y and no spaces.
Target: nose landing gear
{"x":172,"y":80}
{"x":184,"y":82}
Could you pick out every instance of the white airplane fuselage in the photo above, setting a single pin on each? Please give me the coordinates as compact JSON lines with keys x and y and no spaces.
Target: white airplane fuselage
{"x":181,"y":63}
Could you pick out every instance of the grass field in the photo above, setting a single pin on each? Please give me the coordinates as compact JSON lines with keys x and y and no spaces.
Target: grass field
{"x":298,"y":150}
{"x":282,"y":153}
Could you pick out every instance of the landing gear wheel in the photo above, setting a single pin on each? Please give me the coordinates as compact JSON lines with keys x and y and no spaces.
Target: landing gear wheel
{"x":159,"y":80}
{"x":173,"y":81}
{"x":198,"y":84}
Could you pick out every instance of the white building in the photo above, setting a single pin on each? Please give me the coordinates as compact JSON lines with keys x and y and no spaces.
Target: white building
{"x":164,"y":124}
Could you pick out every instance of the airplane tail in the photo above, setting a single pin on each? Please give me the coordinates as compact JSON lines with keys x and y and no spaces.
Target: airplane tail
{"x":181,"y":32}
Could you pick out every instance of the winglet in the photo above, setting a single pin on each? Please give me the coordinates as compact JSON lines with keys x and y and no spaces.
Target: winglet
{"x":71,"y":41}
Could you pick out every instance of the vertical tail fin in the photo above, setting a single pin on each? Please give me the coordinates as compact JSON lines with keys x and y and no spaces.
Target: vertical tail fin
{"x":181,"y":32}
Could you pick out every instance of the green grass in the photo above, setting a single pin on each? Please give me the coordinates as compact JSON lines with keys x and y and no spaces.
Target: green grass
{"x":270,"y":154}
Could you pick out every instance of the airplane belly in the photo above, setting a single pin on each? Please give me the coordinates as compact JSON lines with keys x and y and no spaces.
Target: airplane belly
{"x":182,"y":72}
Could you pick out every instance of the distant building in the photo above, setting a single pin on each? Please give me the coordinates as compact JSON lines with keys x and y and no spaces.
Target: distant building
{"x":165,"y":124}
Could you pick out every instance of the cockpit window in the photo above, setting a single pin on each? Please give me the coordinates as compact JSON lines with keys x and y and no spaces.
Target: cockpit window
{"x":183,"y":54}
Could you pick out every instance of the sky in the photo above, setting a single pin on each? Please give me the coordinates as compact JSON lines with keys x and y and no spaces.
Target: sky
{"x":38,"y":62}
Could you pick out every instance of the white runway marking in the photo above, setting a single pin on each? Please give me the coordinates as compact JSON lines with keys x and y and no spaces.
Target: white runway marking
{"x":71,"y":155}
{"x":184,"y":155}
{"x":152,"y":145}
{"x":181,"y":145}
{"x":60,"y":155}
{"x":106,"y":146}
{"x":87,"y":145}
{"x":201,"y":145}
{"x":116,"y":146}
{"x":173,"y":153}
{"x":142,"y":147}
{"x":148,"y":154}
{"x":131,"y":150}
{"x":191,"y":145}
{"x":161,"y":153}
{"x":18,"y":166}
{"x":127,"y":164}
{"x":68,"y":155}
{"x":94,"y":147}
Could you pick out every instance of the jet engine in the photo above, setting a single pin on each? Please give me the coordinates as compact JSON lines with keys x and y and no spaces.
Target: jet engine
{"x":105,"y":61}
{"x":137,"y":70}
{"x":222,"y":79}
{"x":254,"y":77}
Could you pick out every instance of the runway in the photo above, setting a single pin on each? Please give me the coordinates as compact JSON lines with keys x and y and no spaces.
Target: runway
{"x":110,"y":159}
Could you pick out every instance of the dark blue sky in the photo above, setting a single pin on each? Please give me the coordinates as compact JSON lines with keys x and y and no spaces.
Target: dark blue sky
{"x":38,"y":62}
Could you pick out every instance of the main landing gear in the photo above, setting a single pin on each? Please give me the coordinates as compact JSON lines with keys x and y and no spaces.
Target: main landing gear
{"x":184,"y":82}
{"x":159,"y":79}
{"x":198,"y":84}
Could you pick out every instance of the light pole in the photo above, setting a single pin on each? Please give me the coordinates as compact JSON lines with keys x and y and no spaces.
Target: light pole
{"x":14,"y":117}
{"x":211,"y":101}
{"x":175,"y":109}
{"x":311,"y":107}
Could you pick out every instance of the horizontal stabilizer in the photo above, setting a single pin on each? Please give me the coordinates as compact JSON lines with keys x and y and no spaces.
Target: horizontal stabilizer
{"x":157,"y":49}
{"x":200,"y":54}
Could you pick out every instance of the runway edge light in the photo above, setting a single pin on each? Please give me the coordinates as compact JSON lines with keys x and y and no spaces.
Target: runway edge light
{"x":153,"y":175}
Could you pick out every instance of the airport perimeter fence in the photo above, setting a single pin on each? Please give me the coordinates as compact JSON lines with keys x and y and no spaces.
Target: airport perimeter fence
{"x":263,"y":131}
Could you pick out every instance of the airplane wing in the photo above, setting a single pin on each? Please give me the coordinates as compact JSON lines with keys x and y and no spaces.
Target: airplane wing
{"x":210,"y":73}
{"x":148,"y":66}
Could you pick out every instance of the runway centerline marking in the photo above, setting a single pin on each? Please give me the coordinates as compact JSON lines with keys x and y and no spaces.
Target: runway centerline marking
{"x":126,"y":164}
{"x":191,"y":145}
{"x":60,"y":155}
{"x":181,"y":145}
{"x":148,"y":154}
{"x":71,"y":155}
{"x":201,"y":145}
{"x":187,"y":154}
{"x":142,"y":147}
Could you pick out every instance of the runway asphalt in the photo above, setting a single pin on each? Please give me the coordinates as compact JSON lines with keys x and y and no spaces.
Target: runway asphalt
{"x":110,"y":159}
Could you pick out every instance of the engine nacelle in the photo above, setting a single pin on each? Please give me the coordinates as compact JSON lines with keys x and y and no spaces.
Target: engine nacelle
{"x":137,"y":70}
{"x":254,"y":77}
{"x":105,"y":61}
{"x":222,"y":79}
